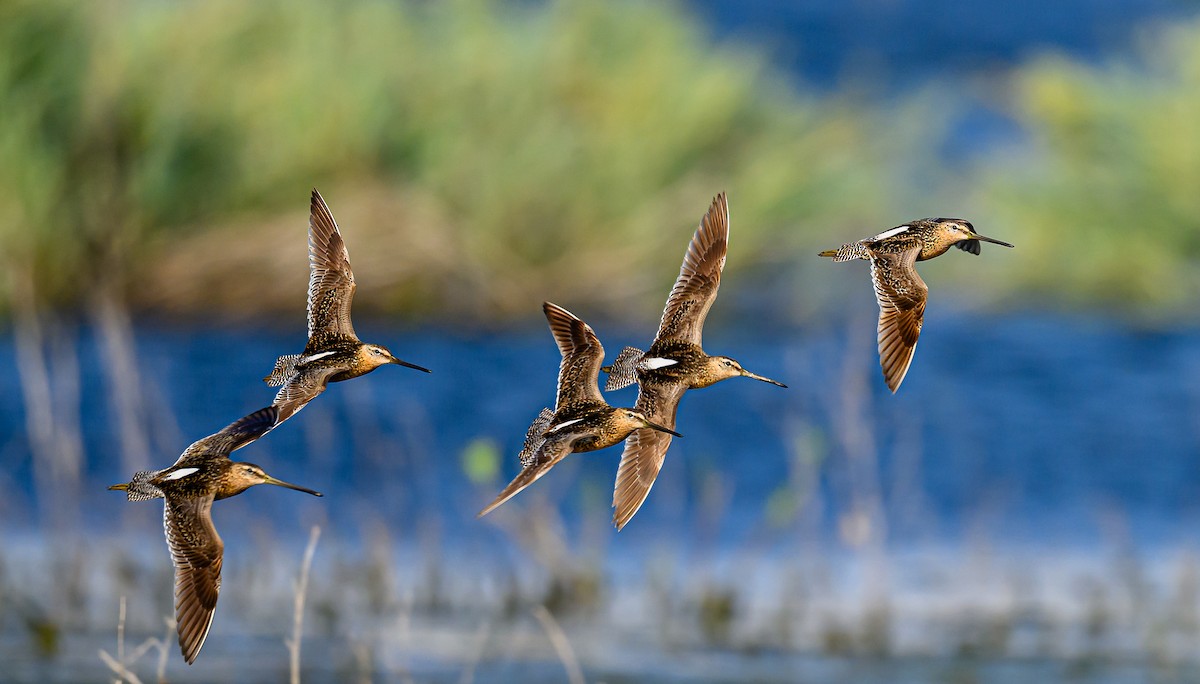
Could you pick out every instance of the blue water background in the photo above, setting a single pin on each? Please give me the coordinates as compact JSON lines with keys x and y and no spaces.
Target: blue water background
{"x":1042,"y":424}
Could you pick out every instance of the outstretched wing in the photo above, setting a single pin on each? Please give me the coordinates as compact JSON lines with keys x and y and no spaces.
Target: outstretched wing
{"x":197,"y":551}
{"x":901,"y":294}
{"x":699,"y":278}
{"x":645,"y":449}
{"x":582,"y":356}
{"x":547,"y":455}
{"x":233,"y":437}
{"x":330,"y":280}
{"x":301,"y":389}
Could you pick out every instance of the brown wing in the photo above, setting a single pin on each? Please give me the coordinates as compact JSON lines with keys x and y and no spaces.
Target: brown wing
{"x":547,"y":455}
{"x":901,"y":294}
{"x":582,"y":356}
{"x":197,"y":551}
{"x":301,"y":389}
{"x":699,"y":278}
{"x":233,"y":437}
{"x":330,"y":280}
{"x":645,"y":450}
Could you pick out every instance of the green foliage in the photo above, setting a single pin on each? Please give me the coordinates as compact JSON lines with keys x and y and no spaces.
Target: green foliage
{"x":481,"y":461}
{"x":559,"y":147}
{"x":1103,"y":203}
{"x":484,"y":156}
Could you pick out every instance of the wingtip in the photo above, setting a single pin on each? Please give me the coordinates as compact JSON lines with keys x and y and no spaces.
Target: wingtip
{"x":549,"y":308}
{"x":488,"y":509}
{"x":621,"y":517}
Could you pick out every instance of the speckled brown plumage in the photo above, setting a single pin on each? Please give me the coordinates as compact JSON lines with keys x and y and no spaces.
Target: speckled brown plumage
{"x":333,"y":352}
{"x":202,"y":474}
{"x":675,"y":361}
{"x":899,"y":289}
{"x":582,"y":421}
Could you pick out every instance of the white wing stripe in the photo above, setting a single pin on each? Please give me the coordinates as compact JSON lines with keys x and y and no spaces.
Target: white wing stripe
{"x":314,"y":357}
{"x":889,"y":233}
{"x":560,"y":426}
{"x":181,"y":473}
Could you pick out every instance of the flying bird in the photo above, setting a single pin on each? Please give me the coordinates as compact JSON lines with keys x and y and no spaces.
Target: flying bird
{"x":675,"y":361}
{"x":333,"y":353}
{"x":203,"y":474}
{"x":581,"y":420}
{"x":898,"y":287}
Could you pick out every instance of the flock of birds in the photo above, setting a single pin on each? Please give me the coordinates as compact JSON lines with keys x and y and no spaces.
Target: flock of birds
{"x":581,"y":420}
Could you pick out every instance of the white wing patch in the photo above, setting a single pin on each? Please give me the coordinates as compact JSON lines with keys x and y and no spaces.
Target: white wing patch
{"x":562,"y":425}
{"x":314,"y":357}
{"x":651,"y":364}
{"x":181,"y":473}
{"x":889,"y":233}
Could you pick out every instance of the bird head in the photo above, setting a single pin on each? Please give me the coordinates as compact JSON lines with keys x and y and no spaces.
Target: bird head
{"x":246,"y":475}
{"x":962,"y":233}
{"x":723,"y":368}
{"x":639,"y":420}
{"x":377,"y":355}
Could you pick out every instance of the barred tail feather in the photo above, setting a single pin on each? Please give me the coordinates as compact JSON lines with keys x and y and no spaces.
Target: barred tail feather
{"x":535,"y":436}
{"x":854,"y":250}
{"x":623,"y":371}
{"x":285,"y":366}
{"x":140,"y":489}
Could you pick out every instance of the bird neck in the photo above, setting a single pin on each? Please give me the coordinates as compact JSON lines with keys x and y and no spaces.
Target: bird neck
{"x":228,"y":488}
{"x":936,"y":245}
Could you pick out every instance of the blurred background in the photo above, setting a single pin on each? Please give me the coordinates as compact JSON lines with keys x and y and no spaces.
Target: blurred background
{"x":1024,"y":509}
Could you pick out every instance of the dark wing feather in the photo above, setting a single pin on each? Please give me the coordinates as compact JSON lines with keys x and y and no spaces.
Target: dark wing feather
{"x":547,"y":455}
{"x":971,"y":246}
{"x":699,"y":277}
{"x":301,"y":389}
{"x":233,"y":437}
{"x":582,"y":356}
{"x":330,"y":281}
{"x":901,"y":294}
{"x":645,"y":449}
{"x":197,"y":551}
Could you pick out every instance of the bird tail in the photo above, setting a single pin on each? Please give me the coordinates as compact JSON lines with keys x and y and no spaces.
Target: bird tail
{"x":535,"y":436}
{"x":285,"y":366}
{"x":854,"y":250}
{"x":139,"y":488}
{"x":623,"y":371}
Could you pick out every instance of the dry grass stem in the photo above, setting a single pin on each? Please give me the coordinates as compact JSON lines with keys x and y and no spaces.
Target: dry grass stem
{"x":562,"y":646}
{"x":301,"y":589}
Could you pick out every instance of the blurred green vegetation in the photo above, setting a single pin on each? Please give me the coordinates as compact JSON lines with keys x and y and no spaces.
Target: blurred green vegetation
{"x":537,"y":150}
{"x":483,"y":156}
{"x":1104,"y":200}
